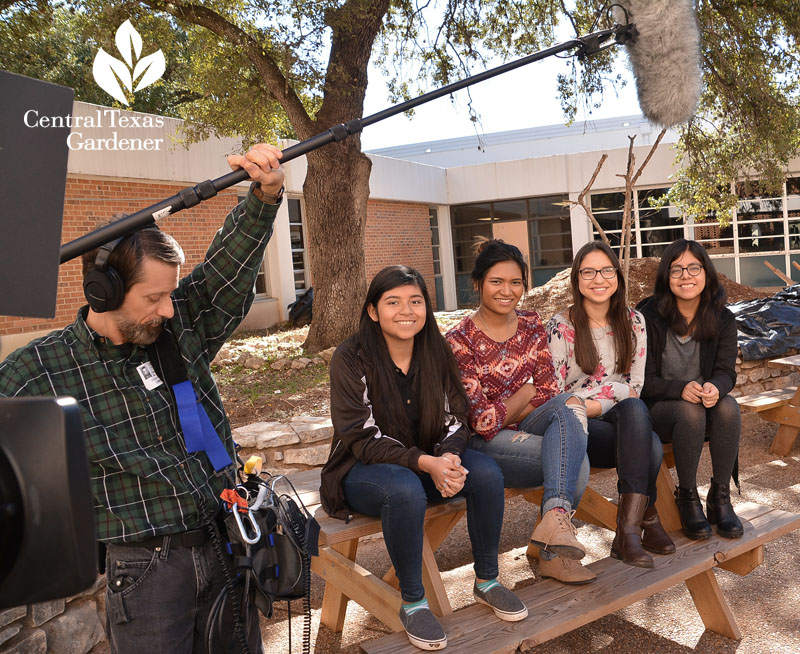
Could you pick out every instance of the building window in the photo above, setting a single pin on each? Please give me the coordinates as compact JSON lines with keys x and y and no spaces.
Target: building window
{"x":433,"y":212}
{"x":538,"y":226}
{"x":762,"y":229}
{"x":298,"y":241}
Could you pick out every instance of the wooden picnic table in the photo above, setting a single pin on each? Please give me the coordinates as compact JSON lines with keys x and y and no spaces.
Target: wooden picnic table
{"x":788,"y":414}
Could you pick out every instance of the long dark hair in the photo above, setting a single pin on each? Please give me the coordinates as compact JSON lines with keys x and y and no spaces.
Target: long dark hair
{"x":493,"y":251}
{"x":437,"y":372}
{"x":712,"y":299}
{"x":619,"y":316}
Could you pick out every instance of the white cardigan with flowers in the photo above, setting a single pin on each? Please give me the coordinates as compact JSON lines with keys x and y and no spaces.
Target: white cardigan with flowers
{"x":606,"y":385}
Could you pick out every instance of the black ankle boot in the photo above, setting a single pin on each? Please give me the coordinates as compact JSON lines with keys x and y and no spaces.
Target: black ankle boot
{"x":693,"y":521}
{"x":720,"y":511}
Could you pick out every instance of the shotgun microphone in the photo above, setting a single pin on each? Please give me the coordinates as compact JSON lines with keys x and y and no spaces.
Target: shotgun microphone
{"x":665,"y":57}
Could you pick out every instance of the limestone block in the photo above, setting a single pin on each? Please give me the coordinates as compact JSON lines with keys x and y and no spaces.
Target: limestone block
{"x":255,"y":363}
{"x":757,"y":374}
{"x":749,"y":389}
{"x":311,"y":429}
{"x":285,"y":471}
{"x":44,"y":611}
{"x":278,"y":456}
{"x":34,"y":643}
{"x":9,"y":615}
{"x":754,"y":363}
{"x":317,"y":361}
{"x":280,"y":364}
{"x":301,"y":363}
{"x":9,"y":633}
{"x":327,"y":354}
{"x":76,"y":631}
{"x":265,"y":435}
{"x":311,"y":456}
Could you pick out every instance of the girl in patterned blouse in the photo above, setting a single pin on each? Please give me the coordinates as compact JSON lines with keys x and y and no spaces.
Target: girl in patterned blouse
{"x":536,"y":435}
{"x":599,"y":349}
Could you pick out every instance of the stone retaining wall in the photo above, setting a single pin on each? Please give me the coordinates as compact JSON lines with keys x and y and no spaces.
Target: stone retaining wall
{"x":74,"y":626}
{"x":756,"y":377}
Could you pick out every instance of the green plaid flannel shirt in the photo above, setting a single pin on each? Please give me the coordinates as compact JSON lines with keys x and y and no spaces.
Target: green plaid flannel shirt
{"x":144,"y":482}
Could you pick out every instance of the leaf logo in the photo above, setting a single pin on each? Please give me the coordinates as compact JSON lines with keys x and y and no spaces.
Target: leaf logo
{"x":109,"y":72}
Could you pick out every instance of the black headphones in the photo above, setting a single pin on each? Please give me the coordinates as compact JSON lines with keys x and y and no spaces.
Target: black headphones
{"x":103,"y":287}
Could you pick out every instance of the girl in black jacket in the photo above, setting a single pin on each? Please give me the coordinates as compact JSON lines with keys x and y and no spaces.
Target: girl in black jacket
{"x":690,"y":369}
{"x":400,"y":432}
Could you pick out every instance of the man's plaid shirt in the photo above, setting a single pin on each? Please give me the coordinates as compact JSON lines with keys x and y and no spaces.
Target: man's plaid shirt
{"x":144,"y":482}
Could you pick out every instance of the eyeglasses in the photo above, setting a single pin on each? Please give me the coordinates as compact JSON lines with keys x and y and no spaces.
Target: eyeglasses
{"x":588,"y":274}
{"x":694,"y":269}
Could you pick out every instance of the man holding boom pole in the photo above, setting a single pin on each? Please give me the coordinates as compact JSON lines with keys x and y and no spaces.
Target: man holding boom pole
{"x":159,"y":450}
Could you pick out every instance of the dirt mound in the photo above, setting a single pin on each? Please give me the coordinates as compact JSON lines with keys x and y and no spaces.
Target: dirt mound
{"x":555,"y":295}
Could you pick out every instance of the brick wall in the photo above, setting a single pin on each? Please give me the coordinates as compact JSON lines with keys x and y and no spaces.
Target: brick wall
{"x":396,"y":232}
{"x":89,"y":203}
{"x":399,"y":233}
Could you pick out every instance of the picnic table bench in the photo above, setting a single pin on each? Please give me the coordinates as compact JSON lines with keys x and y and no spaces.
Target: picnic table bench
{"x":781,"y":405}
{"x":554,"y":608}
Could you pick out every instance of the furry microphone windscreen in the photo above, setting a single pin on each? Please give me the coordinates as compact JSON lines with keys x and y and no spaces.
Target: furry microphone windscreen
{"x":665,"y":58}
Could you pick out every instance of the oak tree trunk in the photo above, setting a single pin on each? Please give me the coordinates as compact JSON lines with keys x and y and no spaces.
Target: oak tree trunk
{"x":336,"y":191}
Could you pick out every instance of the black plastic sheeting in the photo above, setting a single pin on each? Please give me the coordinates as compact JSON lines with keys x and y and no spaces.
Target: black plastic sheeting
{"x":770,"y":326}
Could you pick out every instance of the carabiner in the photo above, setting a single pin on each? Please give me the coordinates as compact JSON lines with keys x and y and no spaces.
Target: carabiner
{"x":253,"y":524}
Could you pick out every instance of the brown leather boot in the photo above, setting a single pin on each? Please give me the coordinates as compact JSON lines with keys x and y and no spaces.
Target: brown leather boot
{"x":627,"y":544}
{"x":654,"y":538}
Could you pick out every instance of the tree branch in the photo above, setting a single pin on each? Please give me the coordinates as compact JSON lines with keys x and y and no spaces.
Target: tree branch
{"x":586,"y":207}
{"x":267,"y":69}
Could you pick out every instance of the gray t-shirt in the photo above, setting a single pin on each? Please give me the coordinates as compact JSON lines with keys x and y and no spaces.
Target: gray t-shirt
{"x":681,"y":358}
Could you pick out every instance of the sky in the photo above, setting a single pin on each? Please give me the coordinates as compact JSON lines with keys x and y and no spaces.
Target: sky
{"x":525,"y":97}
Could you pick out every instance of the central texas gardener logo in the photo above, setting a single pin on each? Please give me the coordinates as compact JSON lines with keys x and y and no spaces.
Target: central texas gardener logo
{"x":115,"y":76}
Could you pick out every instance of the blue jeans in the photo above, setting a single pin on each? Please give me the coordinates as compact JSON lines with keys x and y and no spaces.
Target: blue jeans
{"x":623,"y":438}
{"x":158,"y":600}
{"x":556,"y":459}
{"x":400,"y":496}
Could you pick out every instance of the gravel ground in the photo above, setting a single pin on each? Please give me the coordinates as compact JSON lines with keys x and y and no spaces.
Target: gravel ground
{"x":766,"y":602}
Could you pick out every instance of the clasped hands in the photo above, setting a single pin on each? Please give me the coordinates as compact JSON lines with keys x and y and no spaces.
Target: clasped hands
{"x":708,"y":394}
{"x":446,"y":471}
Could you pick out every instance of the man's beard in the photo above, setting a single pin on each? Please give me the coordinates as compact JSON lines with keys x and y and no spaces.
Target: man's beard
{"x":139,"y":333}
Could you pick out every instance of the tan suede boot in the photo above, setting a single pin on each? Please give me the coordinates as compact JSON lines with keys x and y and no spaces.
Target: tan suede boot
{"x":566,"y":571}
{"x":556,"y":533}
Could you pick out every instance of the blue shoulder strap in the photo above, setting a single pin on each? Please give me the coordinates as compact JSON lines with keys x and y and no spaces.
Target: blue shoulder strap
{"x":198,"y":432}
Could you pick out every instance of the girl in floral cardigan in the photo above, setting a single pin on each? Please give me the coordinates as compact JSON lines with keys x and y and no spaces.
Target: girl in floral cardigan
{"x":599,"y":348}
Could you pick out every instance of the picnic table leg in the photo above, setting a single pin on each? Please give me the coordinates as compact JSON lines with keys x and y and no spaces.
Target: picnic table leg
{"x":784,"y":440}
{"x":712,"y":606}
{"x":597,"y":510}
{"x":334,"y":602}
{"x":350,"y":579}
{"x":665,"y":504}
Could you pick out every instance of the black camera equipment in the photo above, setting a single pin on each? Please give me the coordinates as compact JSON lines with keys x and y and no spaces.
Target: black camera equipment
{"x":47,"y":538}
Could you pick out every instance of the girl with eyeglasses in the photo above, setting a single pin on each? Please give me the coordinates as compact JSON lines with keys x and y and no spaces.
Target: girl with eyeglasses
{"x":599,"y":347}
{"x":400,"y":431}
{"x":691,"y":357}
{"x":536,"y":435}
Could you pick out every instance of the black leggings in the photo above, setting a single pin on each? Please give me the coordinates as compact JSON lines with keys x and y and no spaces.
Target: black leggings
{"x":624,"y":439}
{"x":687,"y":426}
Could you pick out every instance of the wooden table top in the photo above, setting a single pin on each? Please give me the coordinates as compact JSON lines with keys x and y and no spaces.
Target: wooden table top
{"x":792,"y":362}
